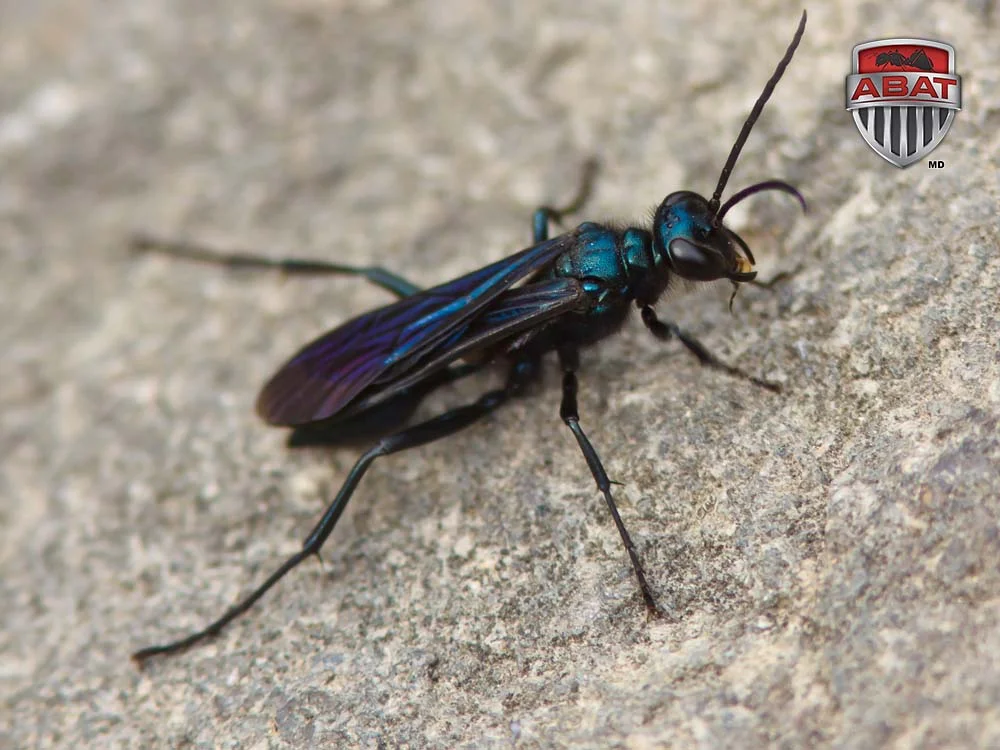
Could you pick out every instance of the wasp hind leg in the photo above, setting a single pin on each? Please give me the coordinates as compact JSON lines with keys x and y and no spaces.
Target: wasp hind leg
{"x":443,"y":425}
{"x":238,"y":259}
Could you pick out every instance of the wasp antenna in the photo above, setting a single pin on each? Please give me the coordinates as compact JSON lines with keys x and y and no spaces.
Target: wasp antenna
{"x":760,"y":187}
{"x":758,"y":107}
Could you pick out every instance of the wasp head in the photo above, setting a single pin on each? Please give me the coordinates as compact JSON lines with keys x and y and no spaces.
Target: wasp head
{"x":695,"y":244}
{"x":688,"y":232}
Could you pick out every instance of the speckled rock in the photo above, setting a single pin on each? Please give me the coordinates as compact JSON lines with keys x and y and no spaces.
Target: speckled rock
{"x":827,"y":557}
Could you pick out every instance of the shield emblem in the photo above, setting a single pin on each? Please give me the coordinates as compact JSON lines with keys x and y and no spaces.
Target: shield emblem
{"x":903,"y":94}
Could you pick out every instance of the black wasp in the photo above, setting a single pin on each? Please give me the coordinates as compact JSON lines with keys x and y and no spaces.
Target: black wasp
{"x":367,"y":376}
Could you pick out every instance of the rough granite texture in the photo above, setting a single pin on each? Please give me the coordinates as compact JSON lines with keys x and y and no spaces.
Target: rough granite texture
{"x":828,"y":558}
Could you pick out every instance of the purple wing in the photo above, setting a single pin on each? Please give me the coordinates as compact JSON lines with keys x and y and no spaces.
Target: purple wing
{"x":328,"y":373}
{"x":527,"y":308}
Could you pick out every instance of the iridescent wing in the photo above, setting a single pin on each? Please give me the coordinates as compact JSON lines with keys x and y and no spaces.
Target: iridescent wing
{"x":517,"y":311}
{"x":385,"y":344}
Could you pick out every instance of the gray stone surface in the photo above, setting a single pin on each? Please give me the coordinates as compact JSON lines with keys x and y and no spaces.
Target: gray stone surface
{"x":829,"y":557}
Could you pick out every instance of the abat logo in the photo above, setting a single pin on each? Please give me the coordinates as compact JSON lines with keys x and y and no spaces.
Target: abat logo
{"x":903,"y":94}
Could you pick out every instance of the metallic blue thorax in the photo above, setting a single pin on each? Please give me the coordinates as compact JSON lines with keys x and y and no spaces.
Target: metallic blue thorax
{"x":615,"y":265}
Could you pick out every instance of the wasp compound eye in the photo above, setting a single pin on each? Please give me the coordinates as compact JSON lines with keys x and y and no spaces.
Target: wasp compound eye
{"x":695,"y":262}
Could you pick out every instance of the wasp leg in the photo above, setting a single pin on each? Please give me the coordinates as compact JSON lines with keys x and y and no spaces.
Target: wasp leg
{"x":433,"y":429}
{"x":668,"y":331}
{"x":178,"y":248}
{"x":569,"y":358}
{"x":543,"y":215}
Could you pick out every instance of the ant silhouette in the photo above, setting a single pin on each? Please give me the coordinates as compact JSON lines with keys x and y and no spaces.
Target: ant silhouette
{"x":918,"y":60}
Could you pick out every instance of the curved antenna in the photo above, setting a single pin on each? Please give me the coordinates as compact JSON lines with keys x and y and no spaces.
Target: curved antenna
{"x":734,"y":154}
{"x":760,"y":187}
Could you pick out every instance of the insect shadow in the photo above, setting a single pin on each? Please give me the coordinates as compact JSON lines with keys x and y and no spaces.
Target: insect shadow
{"x":366,"y":377}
